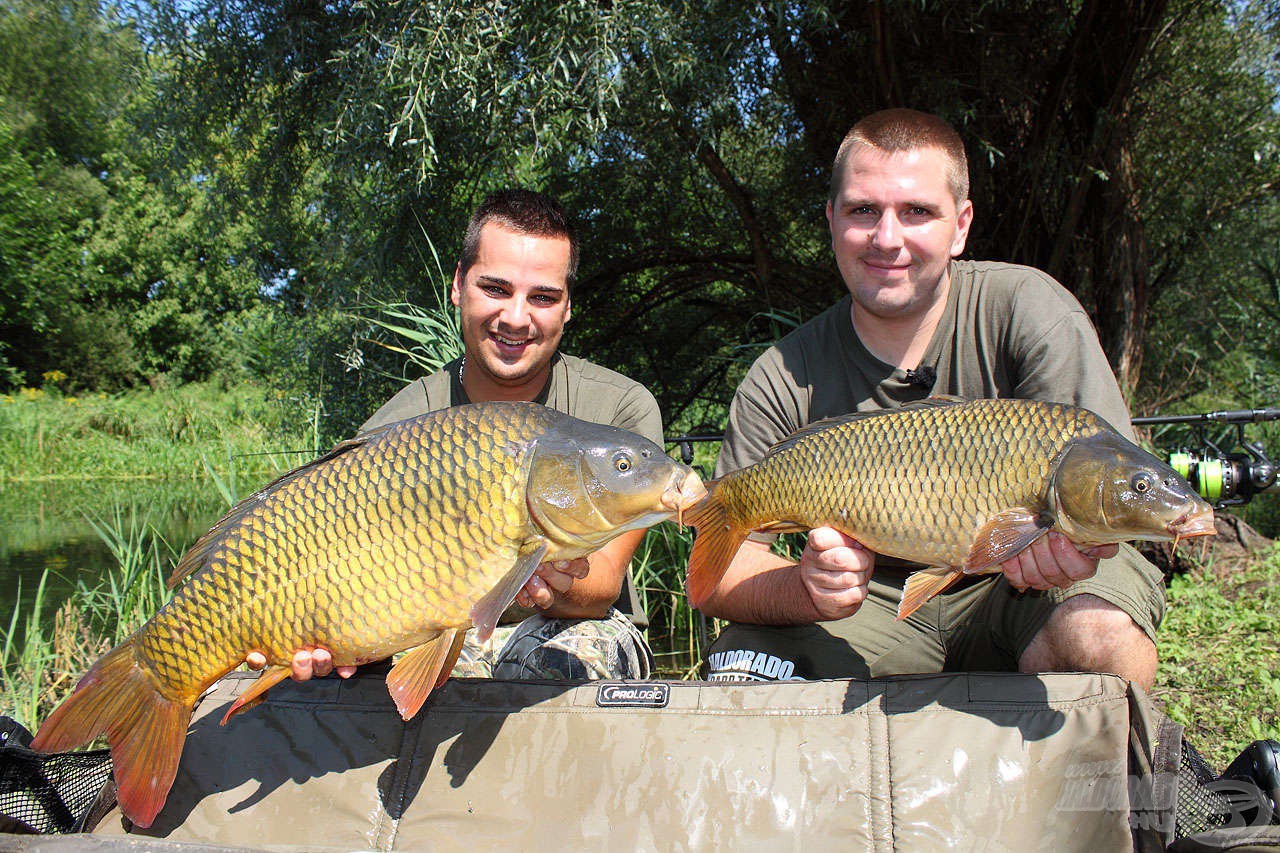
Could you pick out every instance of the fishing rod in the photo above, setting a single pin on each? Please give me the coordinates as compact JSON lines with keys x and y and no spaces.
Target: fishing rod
{"x":1222,"y":477}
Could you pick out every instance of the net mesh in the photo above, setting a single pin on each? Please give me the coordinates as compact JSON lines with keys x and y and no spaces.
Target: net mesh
{"x":47,"y":794}
{"x":1200,"y":808}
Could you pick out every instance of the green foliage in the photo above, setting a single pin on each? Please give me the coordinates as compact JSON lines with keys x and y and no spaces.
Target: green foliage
{"x":146,"y":433}
{"x":1219,"y":670}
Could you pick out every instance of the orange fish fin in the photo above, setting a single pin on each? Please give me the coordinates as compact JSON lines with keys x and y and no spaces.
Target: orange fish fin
{"x":1003,"y":537}
{"x":717,"y":541}
{"x":455,"y":652}
{"x":486,"y":612}
{"x":145,"y":730}
{"x":257,"y":692}
{"x":421,"y":670}
{"x":924,"y":585}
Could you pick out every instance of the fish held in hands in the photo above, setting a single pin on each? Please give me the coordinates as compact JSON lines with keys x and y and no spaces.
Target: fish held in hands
{"x":401,"y":538}
{"x":959,"y":486}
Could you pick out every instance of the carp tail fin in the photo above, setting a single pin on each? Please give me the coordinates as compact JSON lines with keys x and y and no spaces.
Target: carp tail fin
{"x":717,"y":541}
{"x":145,"y":729}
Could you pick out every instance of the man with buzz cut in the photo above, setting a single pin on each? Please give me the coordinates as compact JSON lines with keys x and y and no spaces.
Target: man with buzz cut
{"x":918,"y":322}
{"x":576,"y":619}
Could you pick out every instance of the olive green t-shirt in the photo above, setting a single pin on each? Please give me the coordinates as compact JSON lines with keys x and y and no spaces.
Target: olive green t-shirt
{"x":1007,"y":331}
{"x":577,"y":388}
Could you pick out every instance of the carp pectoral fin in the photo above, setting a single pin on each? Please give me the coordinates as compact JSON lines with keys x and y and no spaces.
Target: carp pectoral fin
{"x":421,"y":670}
{"x":455,"y":652}
{"x":924,"y":585}
{"x":718,"y":540}
{"x":270,"y":677}
{"x":1006,"y":535}
{"x":486,"y":612}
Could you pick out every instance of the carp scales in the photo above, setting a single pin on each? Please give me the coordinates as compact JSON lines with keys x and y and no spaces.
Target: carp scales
{"x":959,"y":486}
{"x":401,"y":538}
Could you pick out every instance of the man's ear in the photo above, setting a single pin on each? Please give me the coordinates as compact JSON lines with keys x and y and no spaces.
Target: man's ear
{"x":964,"y":219}
{"x":455,"y":292}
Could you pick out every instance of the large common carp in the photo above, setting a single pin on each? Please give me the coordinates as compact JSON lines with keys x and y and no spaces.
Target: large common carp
{"x":399,"y":539}
{"x":958,"y":486}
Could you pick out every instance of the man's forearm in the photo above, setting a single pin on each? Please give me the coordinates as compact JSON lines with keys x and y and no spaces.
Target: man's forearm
{"x":761,"y":588}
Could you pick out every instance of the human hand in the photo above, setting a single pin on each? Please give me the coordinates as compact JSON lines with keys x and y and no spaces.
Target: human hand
{"x":548,"y":580}
{"x":307,"y":663}
{"x":834,"y":569}
{"x":1054,"y":561}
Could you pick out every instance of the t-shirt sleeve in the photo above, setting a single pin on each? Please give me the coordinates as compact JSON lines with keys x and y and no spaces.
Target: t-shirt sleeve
{"x":1058,"y":358}
{"x":638,"y":412}
{"x":765,"y":409}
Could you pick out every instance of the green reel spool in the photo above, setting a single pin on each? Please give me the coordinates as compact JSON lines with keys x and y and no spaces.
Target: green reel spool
{"x":1206,"y":476}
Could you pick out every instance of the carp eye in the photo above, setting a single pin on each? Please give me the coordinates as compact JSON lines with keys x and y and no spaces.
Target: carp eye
{"x":622,"y":462}
{"x":1141,"y":482}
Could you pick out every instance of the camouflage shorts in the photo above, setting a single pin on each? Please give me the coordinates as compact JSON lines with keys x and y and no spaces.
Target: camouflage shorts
{"x":559,"y":650}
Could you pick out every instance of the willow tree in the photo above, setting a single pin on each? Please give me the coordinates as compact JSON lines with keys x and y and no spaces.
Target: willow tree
{"x":695,"y":145}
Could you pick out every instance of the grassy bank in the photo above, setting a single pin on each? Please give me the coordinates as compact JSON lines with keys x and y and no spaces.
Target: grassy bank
{"x":1219,"y":665}
{"x":149,"y":434}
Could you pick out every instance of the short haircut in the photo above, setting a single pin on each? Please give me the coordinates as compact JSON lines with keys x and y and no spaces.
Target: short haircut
{"x":892,"y":131}
{"x":525,"y":211}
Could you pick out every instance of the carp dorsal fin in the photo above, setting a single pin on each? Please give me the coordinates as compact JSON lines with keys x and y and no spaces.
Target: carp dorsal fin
{"x":198,"y":553}
{"x":421,"y":670}
{"x":1007,"y":534}
{"x":486,"y":612}
{"x":937,"y":402}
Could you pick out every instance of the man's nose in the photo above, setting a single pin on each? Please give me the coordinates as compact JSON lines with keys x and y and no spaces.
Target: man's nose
{"x":888,"y":232}
{"x":515,"y":313}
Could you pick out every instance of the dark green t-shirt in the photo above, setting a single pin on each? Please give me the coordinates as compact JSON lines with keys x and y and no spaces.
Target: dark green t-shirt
{"x":576,"y":387}
{"x":1007,"y":331}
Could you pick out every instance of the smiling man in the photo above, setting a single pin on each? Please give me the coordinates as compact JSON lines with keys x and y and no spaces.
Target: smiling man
{"x":577,"y":619}
{"x":917,"y":322}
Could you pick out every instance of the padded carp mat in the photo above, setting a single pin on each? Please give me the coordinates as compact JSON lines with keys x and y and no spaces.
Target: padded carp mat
{"x":967,"y":761}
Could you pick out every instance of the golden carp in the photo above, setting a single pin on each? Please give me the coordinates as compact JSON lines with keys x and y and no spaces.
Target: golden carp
{"x":399,"y":539}
{"x":958,"y":486}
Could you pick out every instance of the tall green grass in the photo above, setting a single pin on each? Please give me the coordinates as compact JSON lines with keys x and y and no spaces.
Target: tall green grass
{"x":1219,"y":672}
{"x":167,"y":433}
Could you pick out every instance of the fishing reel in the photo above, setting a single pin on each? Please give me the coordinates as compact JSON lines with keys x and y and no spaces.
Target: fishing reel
{"x":1224,"y":478}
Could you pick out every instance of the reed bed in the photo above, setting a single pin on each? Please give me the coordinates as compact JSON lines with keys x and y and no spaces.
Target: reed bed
{"x":40,"y":660}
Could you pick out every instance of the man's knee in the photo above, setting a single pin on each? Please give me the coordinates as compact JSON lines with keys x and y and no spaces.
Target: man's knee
{"x":1087,"y":634}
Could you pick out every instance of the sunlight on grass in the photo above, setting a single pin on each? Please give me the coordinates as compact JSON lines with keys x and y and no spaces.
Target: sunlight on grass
{"x":1219,"y":664}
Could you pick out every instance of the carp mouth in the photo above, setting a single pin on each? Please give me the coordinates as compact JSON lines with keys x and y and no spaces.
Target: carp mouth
{"x":1191,"y":524}
{"x":683,"y":493}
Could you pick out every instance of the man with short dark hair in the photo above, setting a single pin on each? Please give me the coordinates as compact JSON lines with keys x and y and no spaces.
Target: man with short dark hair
{"x":512,"y":290}
{"x":916,"y":323}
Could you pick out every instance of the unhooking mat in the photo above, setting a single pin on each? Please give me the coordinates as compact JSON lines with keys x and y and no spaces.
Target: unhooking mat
{"x":968,"y":761}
